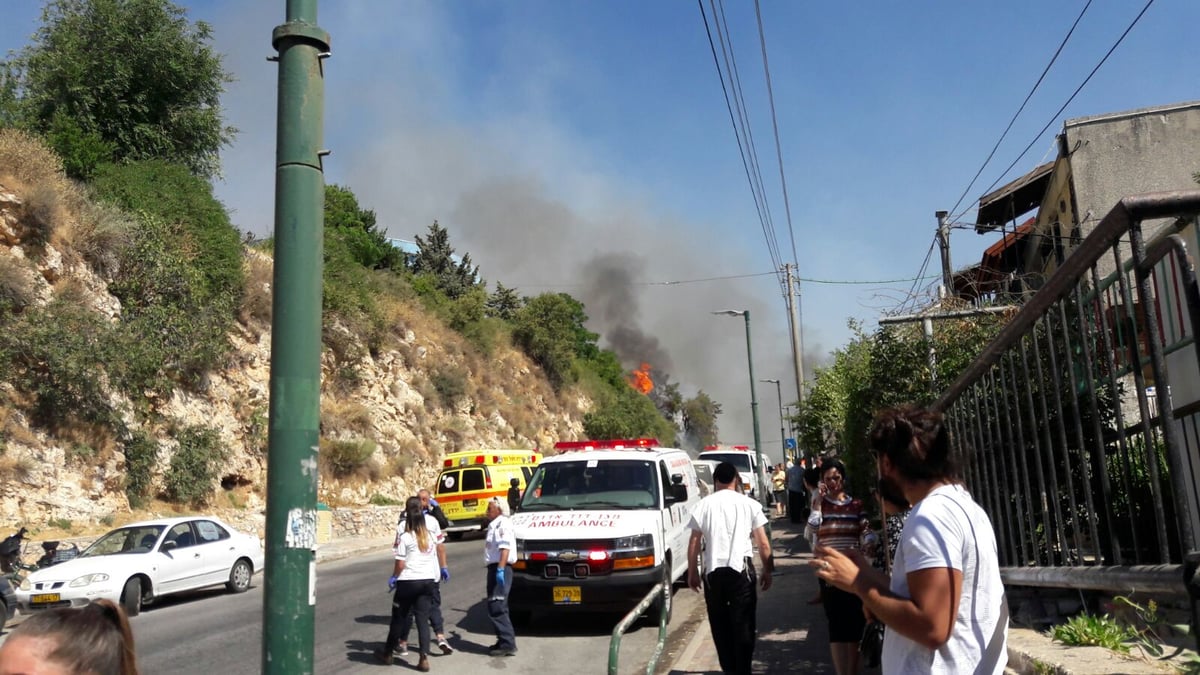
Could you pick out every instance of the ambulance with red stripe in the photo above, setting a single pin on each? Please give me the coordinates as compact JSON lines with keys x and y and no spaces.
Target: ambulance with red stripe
{"x":470,"y":478}
{"x":601,"y":524}
{"x":746,"y":461}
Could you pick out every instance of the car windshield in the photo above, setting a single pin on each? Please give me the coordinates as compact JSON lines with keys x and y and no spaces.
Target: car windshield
{"x":138,"y":539}
{"x":589,"y":484}
{"x":739,"y":459}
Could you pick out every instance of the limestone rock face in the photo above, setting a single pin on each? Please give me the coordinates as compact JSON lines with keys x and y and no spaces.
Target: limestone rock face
{"x":387,"y":398}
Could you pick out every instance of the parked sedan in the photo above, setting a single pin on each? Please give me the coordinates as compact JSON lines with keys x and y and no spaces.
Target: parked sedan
{"x":135,"y":564}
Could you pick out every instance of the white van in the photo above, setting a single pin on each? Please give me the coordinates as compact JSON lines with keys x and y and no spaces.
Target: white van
{"x":746,"y":461}
{"x":600,"y":524}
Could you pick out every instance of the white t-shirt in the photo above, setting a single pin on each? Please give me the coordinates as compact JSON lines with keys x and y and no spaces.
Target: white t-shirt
{"x":418,"y":564}
{"x":948,"y":529}
{"x":500,"y":535}
{"x":727,"y":519}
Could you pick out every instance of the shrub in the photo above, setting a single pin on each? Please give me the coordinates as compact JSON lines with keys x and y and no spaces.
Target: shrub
{"x":57,"y":354}
{"x":26,"y":160}
{"x":1090,"y":630}
{"x":17,"y":285}
{"x":450,"y":383}
{"x":345,"y":458}
{"x":384,"y":500}
{"x":81,"y":151}
{"x":194,"y":466}
{"x":100,"y":234}
{"x":257,"y":296}
{"x":64,"y":524}
{"x":141,"y":454}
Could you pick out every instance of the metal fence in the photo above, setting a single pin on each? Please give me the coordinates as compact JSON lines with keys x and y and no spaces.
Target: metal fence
{"x":1079,"y":424}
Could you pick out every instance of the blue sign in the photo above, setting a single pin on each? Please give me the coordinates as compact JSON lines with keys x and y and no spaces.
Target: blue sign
{"x":789,"y":443}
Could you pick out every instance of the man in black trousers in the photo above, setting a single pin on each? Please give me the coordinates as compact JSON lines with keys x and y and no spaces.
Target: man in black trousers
{"x":724,"y":525}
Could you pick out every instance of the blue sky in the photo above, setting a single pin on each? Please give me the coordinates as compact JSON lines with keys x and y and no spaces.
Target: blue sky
{"x":557,"y":140}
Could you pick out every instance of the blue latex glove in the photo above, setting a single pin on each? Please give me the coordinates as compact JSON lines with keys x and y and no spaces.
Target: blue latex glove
{"x":445,"y":574}
{"x":392,"y":583}
{"x":500,"y":576}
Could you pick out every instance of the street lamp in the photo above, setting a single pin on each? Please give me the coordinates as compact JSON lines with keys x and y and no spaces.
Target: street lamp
{"x":762,"y":491}
{"x":783,"y":449}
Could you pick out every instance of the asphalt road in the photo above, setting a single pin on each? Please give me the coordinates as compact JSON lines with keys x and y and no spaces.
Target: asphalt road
{"x":215,"y":632}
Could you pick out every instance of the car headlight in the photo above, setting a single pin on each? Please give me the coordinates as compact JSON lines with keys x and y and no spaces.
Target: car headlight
{"x":88,"y":579}
{"x":637,"y":541}
{"x":26,"y":585}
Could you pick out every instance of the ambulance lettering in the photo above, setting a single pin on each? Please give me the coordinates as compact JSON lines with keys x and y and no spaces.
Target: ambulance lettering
{"x":579,"y":519}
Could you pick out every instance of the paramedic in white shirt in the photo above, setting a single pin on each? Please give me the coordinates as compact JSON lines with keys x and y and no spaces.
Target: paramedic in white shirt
{"x":499,"y":552}
{"x":944,"y":606}
{"x":418,"y":560}
{"x":725,"y":522}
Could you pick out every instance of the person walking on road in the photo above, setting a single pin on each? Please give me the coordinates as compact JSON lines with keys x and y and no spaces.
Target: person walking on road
{"x":795,"y":489}
{"x":500,"y":552}
{"x":724,"y":524}
{"x":417,"y":559}
{"x":779,"y":490}
{"x":944,"y":605}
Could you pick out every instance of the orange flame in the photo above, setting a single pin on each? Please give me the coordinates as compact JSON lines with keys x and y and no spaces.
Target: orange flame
{"x":640,"y":379}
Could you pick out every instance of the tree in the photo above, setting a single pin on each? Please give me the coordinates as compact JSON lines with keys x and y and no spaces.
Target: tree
{"x":357,"y":228}
{"x":628,"y":414}
{"x":549,"y":329}
{"x":700,"y":420}
{"x":504,"y":303}
{"x":435,"y":257}
{"x":135,"y":75}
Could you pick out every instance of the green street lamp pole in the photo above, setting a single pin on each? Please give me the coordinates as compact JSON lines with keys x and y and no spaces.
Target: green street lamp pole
{"x":289,"y":600}
{"x":758,"y":478}
{"x":783,"y":451}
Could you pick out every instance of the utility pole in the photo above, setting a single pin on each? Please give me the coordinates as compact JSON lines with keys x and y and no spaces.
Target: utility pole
{"x":783,"y":449}
{"x":793,"y":302}
{"x":943,"y":238}
{"x":289,"y":598}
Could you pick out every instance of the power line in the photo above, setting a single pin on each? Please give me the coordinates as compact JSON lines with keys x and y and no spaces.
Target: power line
{"x":1072,"y":97}
{"x":754,"y":193}
{"x":1022,"y":108}
{"x":762,"y":41}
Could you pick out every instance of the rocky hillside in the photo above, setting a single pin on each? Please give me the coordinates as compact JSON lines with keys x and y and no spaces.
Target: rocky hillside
{"x":390,"y":409}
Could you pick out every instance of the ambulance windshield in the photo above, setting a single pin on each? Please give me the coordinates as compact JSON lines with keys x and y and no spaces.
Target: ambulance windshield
{"x":592,"y":484}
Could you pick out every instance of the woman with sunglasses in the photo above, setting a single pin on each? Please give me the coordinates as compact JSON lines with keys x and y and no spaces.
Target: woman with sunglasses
{"x":840,"y":521}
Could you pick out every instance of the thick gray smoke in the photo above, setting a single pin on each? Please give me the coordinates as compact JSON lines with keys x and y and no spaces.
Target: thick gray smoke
{"x":519,"y":193}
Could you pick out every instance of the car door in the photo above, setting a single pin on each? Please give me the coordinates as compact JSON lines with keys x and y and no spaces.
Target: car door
{"x":179,"y":566}
{"x":217,"y":550}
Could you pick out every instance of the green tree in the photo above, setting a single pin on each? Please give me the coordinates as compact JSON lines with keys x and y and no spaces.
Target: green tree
{"x":435,"y":257}
{"x":700,"y":420}
{"x":550,"y":330}
{"x":627,"y":414}
{"x":136,"y":74}
{"x":358,"y":230}
{"x":504,"y":303}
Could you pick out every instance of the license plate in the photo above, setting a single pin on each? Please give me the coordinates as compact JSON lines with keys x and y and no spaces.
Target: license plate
{"x":470,"y":503}
{"x":44,"y":598}
{"x":567,"y":595}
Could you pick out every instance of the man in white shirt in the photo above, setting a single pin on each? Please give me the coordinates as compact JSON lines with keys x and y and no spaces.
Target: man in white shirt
{"x":944,"y":605}
{"x":723,"y":524}
{"x":499,"y":552}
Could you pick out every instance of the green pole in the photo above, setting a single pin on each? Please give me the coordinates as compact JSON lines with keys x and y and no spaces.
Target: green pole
{"x":762,"y":494}
{"x":289,"y":601}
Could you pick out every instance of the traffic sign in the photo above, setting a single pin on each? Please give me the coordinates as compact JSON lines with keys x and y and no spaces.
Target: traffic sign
{"x":789,"y":443}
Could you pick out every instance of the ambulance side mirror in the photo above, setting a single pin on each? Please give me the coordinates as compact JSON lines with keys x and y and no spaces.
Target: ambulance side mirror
{"x":678,"y":491}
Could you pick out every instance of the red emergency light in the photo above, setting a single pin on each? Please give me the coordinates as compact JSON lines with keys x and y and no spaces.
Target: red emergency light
{"x":610,"y":444}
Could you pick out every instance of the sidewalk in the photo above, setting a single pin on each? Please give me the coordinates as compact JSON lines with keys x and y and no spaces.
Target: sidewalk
{"x":792,"y":634}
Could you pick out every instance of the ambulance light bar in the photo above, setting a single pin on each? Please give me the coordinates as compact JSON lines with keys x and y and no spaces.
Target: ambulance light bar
{"x":613,"y":444}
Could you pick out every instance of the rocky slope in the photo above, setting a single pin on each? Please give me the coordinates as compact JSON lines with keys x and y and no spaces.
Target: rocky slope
{"x":392,"y":402}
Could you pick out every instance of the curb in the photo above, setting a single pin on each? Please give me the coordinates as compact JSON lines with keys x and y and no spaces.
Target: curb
{"x":353,"y":547}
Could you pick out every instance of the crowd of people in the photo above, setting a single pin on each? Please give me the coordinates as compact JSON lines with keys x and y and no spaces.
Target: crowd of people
{"x":922,"y":594}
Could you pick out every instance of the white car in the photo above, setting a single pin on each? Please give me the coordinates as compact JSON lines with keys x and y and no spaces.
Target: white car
{"x":134,"y":564}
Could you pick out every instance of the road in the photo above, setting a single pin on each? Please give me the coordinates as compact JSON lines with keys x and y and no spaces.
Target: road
{"x":214,"y":632}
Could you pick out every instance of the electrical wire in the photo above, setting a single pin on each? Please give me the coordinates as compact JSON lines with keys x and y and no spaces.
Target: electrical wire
{"x":1028,"y":96}
{"x":787,"y":208}
{"x":1075,"y":93}
{"x":680,"y":282}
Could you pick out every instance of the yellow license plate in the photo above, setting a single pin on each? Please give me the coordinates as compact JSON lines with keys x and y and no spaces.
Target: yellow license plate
{"x":567,"y":595}
{"x":44,"y":598}
{"x":470,"y":503}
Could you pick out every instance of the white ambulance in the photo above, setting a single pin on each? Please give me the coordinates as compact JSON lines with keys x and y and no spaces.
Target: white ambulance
{"x":746,"y":461}
{"x":600,"y":524}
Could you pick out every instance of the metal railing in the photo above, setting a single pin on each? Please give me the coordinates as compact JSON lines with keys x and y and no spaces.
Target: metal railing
{"x":1067,"y":422}
{"x":614,"y":645}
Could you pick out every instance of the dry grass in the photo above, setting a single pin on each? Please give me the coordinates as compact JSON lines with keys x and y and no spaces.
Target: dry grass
{"x":16,"y":468}
{"x":256,"y":300}
{"x":349,"y":459}
{"x":98,"y":234}
{"x":27,"y":161}
{"x":17,"y":282}
{"x":51,"y":200}
{"x":346,"y":415}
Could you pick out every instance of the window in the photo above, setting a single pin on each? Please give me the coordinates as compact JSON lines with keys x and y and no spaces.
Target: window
{"x":449,"y":482}
{"x":210,"y":531}
{"x":181,"y":534}
{"x":472,"y":479}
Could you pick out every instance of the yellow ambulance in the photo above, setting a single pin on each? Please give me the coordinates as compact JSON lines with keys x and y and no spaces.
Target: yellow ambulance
{"x":472,"y":477}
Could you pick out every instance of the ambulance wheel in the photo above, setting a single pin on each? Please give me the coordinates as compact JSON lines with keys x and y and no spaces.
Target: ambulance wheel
{"x":455,"y":536}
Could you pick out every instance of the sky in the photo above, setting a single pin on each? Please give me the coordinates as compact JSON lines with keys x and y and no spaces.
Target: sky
{"x":586,"y":147}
